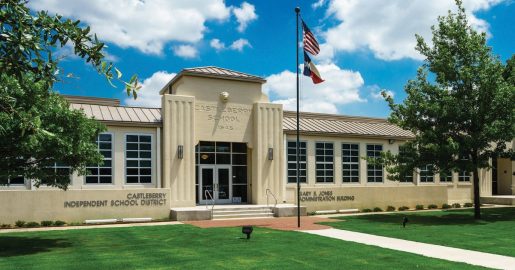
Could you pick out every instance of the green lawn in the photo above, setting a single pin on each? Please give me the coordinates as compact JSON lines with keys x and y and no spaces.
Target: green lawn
{"x":495,"y":233}
{"x":188,"y":247}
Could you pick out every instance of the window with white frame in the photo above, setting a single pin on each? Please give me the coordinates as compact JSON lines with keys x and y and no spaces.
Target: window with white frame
{"x":102,"y":173}
{"x":58,"y":169}
{"x":374,"y":171}
{"x":17,"y":180}
{"x":138,"y":158}
{"x":446,"y":176}
{"x":426,"y":174}
{"x":324,"y":162}
{"x":405,"y":177}
{"x":464,"y":176}
{"x":350,"y":162}
{"x":292,"y":161}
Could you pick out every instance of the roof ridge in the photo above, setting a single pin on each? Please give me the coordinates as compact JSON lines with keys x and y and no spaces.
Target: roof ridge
{"x":119,"y":105}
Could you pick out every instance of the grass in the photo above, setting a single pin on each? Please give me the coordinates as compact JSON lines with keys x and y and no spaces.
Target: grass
{"x":494,"y":233}
{"x":188,"y":247}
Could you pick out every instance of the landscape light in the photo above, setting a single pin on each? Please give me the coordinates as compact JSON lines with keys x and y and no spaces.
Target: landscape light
{"x":247,"y":230}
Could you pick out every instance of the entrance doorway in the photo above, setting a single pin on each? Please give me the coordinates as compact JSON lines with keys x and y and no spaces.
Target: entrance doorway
{"x":221,"y":169}
{"x":215,"y":180}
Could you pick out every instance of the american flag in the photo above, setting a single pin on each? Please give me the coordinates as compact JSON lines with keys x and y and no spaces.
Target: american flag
{"x":309,"y":40}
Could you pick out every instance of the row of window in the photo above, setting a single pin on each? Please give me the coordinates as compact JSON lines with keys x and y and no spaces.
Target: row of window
{"x":138,"y":161}
{"x":324,"y":164}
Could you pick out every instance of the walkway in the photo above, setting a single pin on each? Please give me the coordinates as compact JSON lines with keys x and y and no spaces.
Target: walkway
{"x":429,"y":250}
{"x":282,"y":223}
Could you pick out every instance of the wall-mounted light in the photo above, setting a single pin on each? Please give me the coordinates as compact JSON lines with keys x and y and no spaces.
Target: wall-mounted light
{"x":270,"y":154}
{"x":180,"y":151}
{"x":391,"y":141}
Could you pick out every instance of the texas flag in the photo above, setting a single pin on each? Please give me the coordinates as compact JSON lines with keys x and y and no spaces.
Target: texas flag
{"x":310,"y":70}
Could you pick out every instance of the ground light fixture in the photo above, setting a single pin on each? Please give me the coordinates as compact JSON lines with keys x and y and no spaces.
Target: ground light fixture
{"x":404,"y":222}
{"x":247,"y":230}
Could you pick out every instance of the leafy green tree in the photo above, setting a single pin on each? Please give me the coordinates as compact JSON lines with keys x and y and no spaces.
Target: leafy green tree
{"x":459,"y":106}
{"x":37,"y":127}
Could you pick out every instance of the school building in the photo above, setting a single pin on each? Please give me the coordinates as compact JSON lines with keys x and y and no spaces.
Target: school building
{"x":218,"y":144}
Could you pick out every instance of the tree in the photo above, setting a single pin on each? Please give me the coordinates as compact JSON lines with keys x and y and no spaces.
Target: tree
{"x":37,"y":127}
{"x":463,"y":114}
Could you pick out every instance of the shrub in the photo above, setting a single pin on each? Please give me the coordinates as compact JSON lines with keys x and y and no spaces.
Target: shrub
{"x":390,"y":208}
{"x":419,"y":207}
{"x":456,"y":205}
{"x":75,"y":224}
{"x":403,"y":208}
{"x":377,"y":209}
{"x":366,"y":210}
{"x":32,"y":224}
{"x":19,"y":223}
{"x":432,"y":206}
{"x":46,"y":223}
{"x":5,"y":226}
{"x":468,"y":204}
{"x":445,"y":206}
{"x":59,"y":223}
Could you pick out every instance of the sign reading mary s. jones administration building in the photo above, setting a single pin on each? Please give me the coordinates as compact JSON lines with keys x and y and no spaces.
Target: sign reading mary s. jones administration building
{"x":324,"y":196}
{"x":131,"y":200}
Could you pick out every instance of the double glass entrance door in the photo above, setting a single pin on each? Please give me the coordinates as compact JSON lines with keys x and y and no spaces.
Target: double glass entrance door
{"x":217,"y":181}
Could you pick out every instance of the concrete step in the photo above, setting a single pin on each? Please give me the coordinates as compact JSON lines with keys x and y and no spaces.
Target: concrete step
{"x":242,"y":215}
{"x":227,"y":212}
{"x":264,"y":208}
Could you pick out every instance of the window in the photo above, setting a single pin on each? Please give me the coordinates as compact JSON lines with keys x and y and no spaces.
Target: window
{"x":406,"y":176}
{"x":292,"y":162}
{"x":324,"y":157}
{"x":18,"y":180}
{"x":446,"y":177}
{"x":374,"y":172}
{"x":138,"y":159}
{"x":350,"y":163}
{"x":426,"y":174}
{"x":464,"y":176}
{"x":58,"y":169}
{"x":102,"y":173}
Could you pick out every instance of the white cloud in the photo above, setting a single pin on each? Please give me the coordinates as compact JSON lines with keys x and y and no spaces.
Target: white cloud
{"x":340,"y":87}
{"x":148,"y":95}
{"x":375,"y":92}
{"x":185,"y":51}
{"x":318,"y":4}
{"x":217,"y":44}
{"x":388,"y":28}
{"x":245,"y":14}
{"x":144,"y":25}
{"x":240,"y":44}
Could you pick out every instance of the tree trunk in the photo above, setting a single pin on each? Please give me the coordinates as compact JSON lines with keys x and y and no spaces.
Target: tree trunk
{"x":477,"y":204}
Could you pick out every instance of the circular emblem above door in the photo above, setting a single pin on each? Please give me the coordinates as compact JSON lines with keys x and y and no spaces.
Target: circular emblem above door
{"x":224,"y":96}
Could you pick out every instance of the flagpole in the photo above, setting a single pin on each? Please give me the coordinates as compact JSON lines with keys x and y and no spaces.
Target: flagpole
{"x":297,"y":11}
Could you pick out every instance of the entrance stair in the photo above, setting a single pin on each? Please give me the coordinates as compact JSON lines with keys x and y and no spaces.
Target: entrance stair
{"x":242,"y":212}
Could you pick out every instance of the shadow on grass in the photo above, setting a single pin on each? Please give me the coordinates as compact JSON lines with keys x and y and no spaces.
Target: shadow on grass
{"x":445,"y":217}
{"x":22,"y":245}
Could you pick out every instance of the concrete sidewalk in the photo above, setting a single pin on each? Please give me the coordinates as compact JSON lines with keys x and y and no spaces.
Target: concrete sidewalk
{"x":429,"y":250}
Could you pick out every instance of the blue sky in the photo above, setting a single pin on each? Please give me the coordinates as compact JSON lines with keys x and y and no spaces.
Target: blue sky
{"x":367,"y":46}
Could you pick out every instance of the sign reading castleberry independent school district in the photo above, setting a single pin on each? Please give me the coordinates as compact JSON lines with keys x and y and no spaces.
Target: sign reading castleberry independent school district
{"x":132,"y":199}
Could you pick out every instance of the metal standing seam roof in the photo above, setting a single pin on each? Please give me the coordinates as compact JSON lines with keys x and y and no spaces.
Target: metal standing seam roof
{"x":310,"y":123}
{"x":120,"y":113}
{"x":343,"y":125}
{"x":221,"y":72}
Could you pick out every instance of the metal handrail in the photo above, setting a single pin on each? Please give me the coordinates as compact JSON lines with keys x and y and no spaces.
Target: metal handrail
{"x":269,"y":192}
{"x":207,"y":192}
